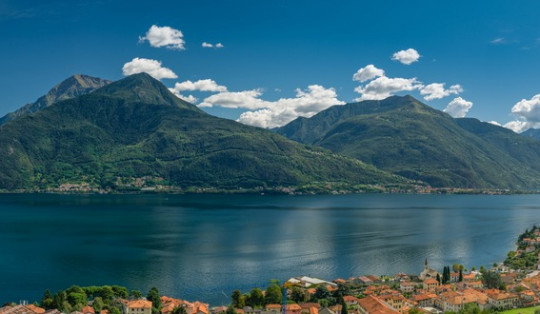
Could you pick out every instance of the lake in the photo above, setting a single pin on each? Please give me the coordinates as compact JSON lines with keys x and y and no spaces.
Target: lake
{"x":201,"y":247}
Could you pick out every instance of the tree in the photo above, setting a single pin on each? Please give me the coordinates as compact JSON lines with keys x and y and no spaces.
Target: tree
{"x":153,"y":296}
{"x":321,"y":293}
{"x":439,"y":278}
{"x":47,"y":301}
{"x":179,"y":310}
{"x":59,"y":299}
{"x":238,"y":300}
{"x":446,"y":275}
{"x":298,"y":295}
{"x":120,"y":292}
{"x":98,"y":304}
{"x":455,"y":268}
{"x":136,"y":294}
{"x":106,"y":293}
{"x":491,"y":279}
{"x":273,"y":294}
{"x":473,"y":268}
{"x":75,"y":298}
{"x":460,"y":275}
{"x":230,"y":310}
{"x":343,"y":304}
{"x":256,"y":298}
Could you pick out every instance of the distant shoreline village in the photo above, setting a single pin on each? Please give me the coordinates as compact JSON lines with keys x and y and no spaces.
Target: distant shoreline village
{"x":513,"y":284}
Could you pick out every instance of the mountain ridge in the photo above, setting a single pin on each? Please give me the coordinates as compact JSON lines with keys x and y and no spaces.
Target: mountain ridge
{"x":408,"y":138}
{"x":134,"y":133}
{"x":74,"y":86}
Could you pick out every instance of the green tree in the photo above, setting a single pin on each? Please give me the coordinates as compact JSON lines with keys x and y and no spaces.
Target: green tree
{"x":460,"y":275}
{"x":47,"y":301}
{"x":75,"y":298}
{"x":59,"y":299}
{"x":439,"y":278}
{"x":179,"y":310}
{"x":415,"y":310}
{"x":153,"y":296}
{"x":238,"y":300}
{"x":107,"y":294}
{"x":256,"y":298}
{"x":115,"y":310}
{"x":273,"y":294}
{"x":321,"y":293}
{"x":298,"y":295}
{"x":98,"y":304}
{"x":136,"y":294}
{"x":230,"y":310}
{"x":491,"y":279}
{"x":455,"y":267}
{"x":120,"y":292}
{"x":343,"y":304}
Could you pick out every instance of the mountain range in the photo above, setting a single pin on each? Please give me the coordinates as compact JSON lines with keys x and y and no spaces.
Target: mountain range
{"x":91,"y":134}
{"x":134,"y":134}
{"x":408,"y":138}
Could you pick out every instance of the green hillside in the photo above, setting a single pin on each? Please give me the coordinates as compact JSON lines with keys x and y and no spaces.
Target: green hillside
{"x":135,"y":134}
{"x":406,"y":137}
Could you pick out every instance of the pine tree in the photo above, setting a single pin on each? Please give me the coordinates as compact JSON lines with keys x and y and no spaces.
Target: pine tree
{"x":460,"y":275}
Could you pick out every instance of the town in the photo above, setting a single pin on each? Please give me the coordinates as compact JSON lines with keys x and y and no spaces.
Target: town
{"x":513,"y":284}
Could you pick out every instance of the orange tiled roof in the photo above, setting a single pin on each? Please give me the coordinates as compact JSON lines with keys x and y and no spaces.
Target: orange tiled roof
{"x":37,"y":309}
{"x":88,"y":309}
{"x":431,"y":281}
{"x":139,"y":304}
{"x":373,"y":305}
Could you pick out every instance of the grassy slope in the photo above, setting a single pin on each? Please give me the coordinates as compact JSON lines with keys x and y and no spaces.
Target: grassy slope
{"x":406,"y":137}
{"x":136,"y":127}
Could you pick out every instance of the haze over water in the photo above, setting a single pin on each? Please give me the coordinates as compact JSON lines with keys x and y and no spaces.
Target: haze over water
{"x":204,"y":246}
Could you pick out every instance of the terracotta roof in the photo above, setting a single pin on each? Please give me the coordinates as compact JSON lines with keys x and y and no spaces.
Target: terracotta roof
{"x":88,"y":309}
{"x":273,"y":306}
{"x":422,"y":297}
{"x":293,"y":307}
{"x":431,"y":281}
{"x":139,"y":304}
{"x":37,"y":309}
{"x":373,"y":305}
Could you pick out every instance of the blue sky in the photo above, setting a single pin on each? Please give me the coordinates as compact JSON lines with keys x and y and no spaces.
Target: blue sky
{"x":302,"y":52}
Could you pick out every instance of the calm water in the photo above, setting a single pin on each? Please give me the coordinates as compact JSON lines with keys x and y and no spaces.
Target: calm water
{"x":202,"y":247}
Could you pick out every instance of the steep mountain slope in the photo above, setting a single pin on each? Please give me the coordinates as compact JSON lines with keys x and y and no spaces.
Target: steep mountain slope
{"x":406,"y":137}
{"x":73,"y":86}
{"x":534,"y":133}
{"x":135,"y":133}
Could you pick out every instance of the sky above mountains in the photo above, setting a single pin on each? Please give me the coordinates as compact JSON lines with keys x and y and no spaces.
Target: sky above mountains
{"x":267,"y":62}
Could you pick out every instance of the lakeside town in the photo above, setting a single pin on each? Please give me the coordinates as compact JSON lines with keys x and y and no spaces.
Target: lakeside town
{"x":513,"y":284}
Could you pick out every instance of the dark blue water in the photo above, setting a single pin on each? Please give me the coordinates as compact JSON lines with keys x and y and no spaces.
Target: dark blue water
{"x":196,"y":247}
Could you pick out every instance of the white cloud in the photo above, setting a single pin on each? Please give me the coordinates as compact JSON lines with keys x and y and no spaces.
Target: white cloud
{"x":528,"y":113}
{"x":367,"y":73}
{"x":190,"y":98}
{"x":458,"y":107}
{"x":152,"y":67}
{"x":498,"y":41}
{"x":209,"y":45}
{"x":206,"y":85}
{"x":495,"y":123}
{"x":383,"y":87}
{"x":406,"y":56}
{"x":164,"y":37}
{"x":519,"y":126}
{"x":245,"y":99}
{"x":269,"y":114}
{"x":437,"y":91}
{"x":528,"y":109}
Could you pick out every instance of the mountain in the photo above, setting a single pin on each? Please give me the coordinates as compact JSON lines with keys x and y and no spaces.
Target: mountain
{"x":135,"y":134}
{"x":408,"y":138}
{"x":534,"y":133}
{"x":74,"y":86}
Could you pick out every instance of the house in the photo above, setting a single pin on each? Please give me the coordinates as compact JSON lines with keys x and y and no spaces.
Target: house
{"x":372,"y":305}
{"x":139,"y":307}
{"x":395,"y":301}
{"x":527,"y":298}
{"x":350,"y":300}
{"x":273,"y":308}
{"x":425,"y":300}
{"x":293,"y":309}
{"x":469,"y":277}
{"x":454,"y":277}
{"x":22,"y":309}
{"x":310,"y":308}
{"x":502,"y":300}
{"x":365,"y":280}
{"x":306,"y":282}
{"x":407,"y":286}
{"x":430,"y":284}
{"x":326,"y":310}
{"x":88,"y":310}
